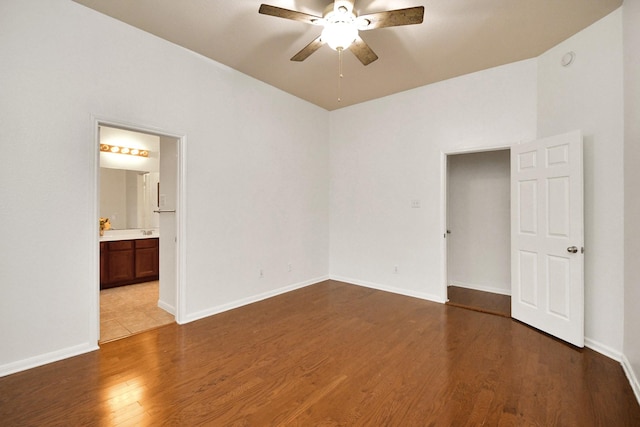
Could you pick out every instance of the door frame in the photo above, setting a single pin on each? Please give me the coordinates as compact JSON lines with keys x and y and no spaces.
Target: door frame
{"x":444,"y":188}
{"x":180,"y":308}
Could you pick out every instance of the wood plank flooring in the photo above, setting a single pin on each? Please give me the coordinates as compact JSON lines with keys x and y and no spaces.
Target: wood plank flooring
{"x":485,"y":302}
{"x":330,"y":354}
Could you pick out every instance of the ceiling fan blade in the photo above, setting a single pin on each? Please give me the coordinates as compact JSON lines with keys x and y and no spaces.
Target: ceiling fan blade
{"x":308,"y":50}
{"x":362,"y":51}
{"x":393,"y":18}
{"x":279,"y":12}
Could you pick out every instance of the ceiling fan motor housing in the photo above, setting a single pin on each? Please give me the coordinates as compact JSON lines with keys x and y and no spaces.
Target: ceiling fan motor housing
{"x":340,"y":28}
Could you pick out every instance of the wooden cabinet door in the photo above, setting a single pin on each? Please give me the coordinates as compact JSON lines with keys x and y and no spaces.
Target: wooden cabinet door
{"x":121,"y":265}
{"x":147,"y":258}
{"x":146,"y":262}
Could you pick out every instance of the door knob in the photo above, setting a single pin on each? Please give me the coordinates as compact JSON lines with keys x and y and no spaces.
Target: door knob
{"x":572,"y":249}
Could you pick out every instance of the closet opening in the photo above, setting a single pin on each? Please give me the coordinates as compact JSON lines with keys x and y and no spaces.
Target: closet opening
{"x":478,"y":231}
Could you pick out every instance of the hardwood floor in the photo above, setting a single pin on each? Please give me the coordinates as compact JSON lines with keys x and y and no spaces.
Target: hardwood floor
{"x":485,"y":302}
{"x":329,"y":354}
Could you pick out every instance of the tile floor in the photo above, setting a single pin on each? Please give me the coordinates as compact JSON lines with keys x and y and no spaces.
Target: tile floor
{"x":127,"y":310}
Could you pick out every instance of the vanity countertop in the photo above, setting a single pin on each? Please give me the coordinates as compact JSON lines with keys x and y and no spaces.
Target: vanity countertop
{"x":136,"y":234}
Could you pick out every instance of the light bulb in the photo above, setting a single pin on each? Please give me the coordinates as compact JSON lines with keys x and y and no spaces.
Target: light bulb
{"x":339,"y":35}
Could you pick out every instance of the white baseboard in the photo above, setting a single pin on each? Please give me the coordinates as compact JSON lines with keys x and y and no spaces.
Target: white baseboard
{"x":483,"y":288}
{"x":631,"y":376}
{"x":603,"y":349}
{"x":618,"y":357}
{"x":250,"y":300}
{"x":167,"y":307}
{"x":394,"y":290}
{"x":44,"y":359}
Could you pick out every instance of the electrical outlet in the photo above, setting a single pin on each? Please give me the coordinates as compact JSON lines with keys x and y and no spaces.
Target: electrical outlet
{"x":415,"y":204}
{"x":395,"y":269}
{"x":261,"y":273}
{"x":289,"y":267}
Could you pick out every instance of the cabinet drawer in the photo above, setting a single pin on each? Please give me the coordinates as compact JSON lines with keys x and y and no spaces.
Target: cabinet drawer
{"x":121,"y":245}
{"x":146,"y":243}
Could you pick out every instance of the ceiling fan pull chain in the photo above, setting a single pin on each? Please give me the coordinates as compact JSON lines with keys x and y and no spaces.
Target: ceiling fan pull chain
{"x":339,"y":74}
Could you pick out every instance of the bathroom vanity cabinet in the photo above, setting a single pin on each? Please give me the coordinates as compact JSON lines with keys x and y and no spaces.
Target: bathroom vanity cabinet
{"x":125,"y":262}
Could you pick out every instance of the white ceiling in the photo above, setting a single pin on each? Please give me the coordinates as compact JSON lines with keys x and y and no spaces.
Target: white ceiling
{"x":457,"y":37}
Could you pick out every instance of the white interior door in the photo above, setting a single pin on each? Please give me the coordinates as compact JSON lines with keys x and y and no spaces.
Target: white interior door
{"x":547,"y":237}
{"x":167,"y":205}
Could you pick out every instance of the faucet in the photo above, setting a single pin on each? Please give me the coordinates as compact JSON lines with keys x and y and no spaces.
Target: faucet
{"x":147,"y":232}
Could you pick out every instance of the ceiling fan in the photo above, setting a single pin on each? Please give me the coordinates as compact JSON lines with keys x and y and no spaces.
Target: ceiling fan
{"x":341,"y":26}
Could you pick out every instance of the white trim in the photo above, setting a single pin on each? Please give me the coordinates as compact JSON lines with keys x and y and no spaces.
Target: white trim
{"x":44,"y":359}
{"x":167,"y":307}
{"x":393,"y":290}
{"x":181,"y":245}
{"x":500,"y":291}
{"x":94,"y":304}
{"x":603,"y":349}
{"x":631,"y":376}
{"x":444,"y":248}
{"x":473,"y":150}
{"x":249,"y":300}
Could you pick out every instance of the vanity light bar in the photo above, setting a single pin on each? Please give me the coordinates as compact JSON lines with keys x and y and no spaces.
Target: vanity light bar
{"x":123,"y":150}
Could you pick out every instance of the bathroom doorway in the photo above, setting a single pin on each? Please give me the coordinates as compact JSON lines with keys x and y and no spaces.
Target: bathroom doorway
{"x":139,"y":196}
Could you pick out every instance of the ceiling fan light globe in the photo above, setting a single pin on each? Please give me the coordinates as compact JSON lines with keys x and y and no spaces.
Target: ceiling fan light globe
{"x":339,"y":35}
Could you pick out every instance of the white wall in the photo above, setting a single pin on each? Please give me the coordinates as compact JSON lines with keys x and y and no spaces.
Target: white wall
{"x":479,"y":217}
{"x":631,"y":361}
{"x":588,"y":95}
{"x":388,"y":152}
{"x":256,"y":173}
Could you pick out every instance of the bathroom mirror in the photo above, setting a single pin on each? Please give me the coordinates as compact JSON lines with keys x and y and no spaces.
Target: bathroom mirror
{"x":128,"y":198}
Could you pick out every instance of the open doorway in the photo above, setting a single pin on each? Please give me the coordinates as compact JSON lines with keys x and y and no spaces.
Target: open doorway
{"x":138,"y":198}
{"x":478,"y":236}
